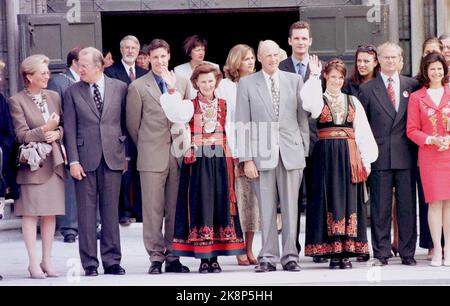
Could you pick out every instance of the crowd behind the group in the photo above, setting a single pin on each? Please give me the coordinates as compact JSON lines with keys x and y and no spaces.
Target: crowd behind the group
{"x":213,"y":158}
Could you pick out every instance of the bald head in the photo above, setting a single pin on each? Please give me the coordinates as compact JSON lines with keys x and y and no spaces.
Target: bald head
{"x":268,"y":56}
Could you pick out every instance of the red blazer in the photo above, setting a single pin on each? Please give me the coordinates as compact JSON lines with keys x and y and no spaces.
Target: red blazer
{"x":426,"y":119}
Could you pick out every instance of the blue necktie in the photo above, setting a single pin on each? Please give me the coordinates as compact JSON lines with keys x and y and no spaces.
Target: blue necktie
{"x":301,"y":70}
{"x":162,"y":86}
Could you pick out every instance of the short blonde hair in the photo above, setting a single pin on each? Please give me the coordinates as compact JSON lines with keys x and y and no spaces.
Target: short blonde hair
{"x":2,"y":65}
{"x":97,"y":56}
{"x":31,"y":64}
{"x":381,"y":47}
{"x":234,"y":60}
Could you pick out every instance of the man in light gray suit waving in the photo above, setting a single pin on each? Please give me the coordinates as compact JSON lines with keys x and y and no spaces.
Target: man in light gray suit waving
{"x":273,"y":140}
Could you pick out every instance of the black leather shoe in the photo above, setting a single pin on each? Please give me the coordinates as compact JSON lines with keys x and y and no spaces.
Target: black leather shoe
{"x":155,"y":268}
{"x":1,"y":277}
{"x":319,"y":260}
{"x":409,"y":261}
{"x":91,"y":271}
{"x":124,"y":221}
{"x":115,"y":270}
{"x":363,"y":258}
{"x":204,"y":267}
{"x":214,"y":267}
{"x":69,"y":238}
{"x":335,"y":263}
{"x":265,"y":267}
{"x":292,"y":266}
{"x":177,"y":267}
{"x":345,"y":264}
{"x":380,"y":262}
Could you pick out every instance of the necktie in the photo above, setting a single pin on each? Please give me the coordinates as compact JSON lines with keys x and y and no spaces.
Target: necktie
{"x":98,"y":98}
{"x":275,"y":96}
{"x":162,"y":86}
{"x":391,"y":93}
{"x":132,"y":75}
{"x":301,"y":70}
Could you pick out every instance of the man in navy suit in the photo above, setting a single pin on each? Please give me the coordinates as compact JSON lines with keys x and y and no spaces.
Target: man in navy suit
{"x":385,"y":100}
{"x":126,"y":70}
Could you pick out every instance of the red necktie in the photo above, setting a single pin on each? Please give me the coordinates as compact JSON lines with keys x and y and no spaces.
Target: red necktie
{"x":132,"y":75}
{"x":391,"y":92}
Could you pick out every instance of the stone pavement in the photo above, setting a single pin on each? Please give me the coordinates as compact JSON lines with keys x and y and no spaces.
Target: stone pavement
{"x":13,"y":268}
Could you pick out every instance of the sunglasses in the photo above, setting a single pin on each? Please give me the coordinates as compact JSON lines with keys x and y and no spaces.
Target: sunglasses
{"x":366,"y":48}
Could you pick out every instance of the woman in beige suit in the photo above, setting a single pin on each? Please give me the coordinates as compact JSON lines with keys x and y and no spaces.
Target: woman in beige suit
{"x":35,"y":113}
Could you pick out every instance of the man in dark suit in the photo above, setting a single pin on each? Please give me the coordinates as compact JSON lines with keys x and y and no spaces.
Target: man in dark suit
{"x":300,"y":39}
{"x":95,"y":138}
{"x":130,"y":201}
{"x":385,"y":101}
{"x":67,"y":224}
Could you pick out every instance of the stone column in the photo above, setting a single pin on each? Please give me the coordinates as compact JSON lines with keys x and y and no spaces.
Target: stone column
{"x":443,"y":16}
{"x":417,"y":34}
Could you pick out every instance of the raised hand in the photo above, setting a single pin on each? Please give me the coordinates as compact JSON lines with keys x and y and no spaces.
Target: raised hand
{"x":168,"y":77}
{"x":315,"y":66}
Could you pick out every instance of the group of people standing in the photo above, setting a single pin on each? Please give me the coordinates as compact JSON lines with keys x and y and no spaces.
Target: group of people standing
{"x":211,"y":159}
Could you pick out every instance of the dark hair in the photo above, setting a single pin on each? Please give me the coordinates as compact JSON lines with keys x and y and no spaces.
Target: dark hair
{"x":156,"y":44}
{"x":333,"y":64}
{"x":204,"y":69}
{"x":432,"y":40}
{"x":431,"y":58}
{"x":73,"y":55}
{"x":300,"y":25}
{"x":193,"y":41}
{"x":357,"y":78}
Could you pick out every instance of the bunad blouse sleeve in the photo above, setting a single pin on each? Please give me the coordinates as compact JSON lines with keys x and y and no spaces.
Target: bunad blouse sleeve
{"x":176,"y":109}
{"x":227,"y":91}
{"x":363,"y":135}
{"x":312,"y":96}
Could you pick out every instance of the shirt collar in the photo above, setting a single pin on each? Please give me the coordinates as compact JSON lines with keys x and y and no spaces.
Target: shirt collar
{"x":100,"y":82}
{"x":75,"y":75}
{"x":274,"y":76}
{"x":395,"y":77}
{"x":127,"y":67}
{"x":305,"y":61}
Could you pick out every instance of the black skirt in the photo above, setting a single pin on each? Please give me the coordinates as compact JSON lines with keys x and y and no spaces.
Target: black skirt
{"x":336,"y":217}
{"x":204,"y":223}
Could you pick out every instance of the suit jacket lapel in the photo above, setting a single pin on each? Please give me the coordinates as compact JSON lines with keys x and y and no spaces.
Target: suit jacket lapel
{"x":290,"y":65}
{"x":86,"y":94}
{"x":109,"y":93}
{"x":380,"y":93}
{"x":123,"y":73}
{"x":152,"y":86}
{"x":265,"y":95}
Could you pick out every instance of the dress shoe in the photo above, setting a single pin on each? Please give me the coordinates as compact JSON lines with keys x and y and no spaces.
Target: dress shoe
{"x":176,"y":266}
{"x":50,"y":273}
{"x":37,"y":274}
{"x":1,"y":277}
{"x":115,"y":270}
{"x":265,"y":267}
{"x":214,"y":267}
{"x":345,"y":264}
{"x":363,"y":258}
{"x":335,"y":263}
{"x":319,"y":260}
{"x":69,"y":238}
{"x":379,"y":262}
{"x":204,"y":267}
{"x":155,"y":268}
{"x":91,"y":271}
{"x":409,"y":261}
{"x":124,"y":221}
{"x":292,"y":266}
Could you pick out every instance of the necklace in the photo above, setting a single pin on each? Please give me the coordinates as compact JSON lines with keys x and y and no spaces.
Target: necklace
{"x":39,"y":103}
{"x":209,"y":115}
{"x":337,"y":108}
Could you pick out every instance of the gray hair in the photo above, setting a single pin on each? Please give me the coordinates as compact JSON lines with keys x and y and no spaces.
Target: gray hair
{"x":381,"y":47}
{"x":2,"y":65}
{"x":97,"y":56}
{"x":132,"y":38}
{"x":263,"y":44}
{"x":444,"y":36}
{"x":31,"y":64}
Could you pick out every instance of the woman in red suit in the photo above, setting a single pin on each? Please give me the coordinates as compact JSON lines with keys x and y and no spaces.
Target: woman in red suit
{"x":429,"y":127}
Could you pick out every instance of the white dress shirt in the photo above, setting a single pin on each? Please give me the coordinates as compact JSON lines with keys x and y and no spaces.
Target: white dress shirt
{"x":127,"y":68}
{"x":75,"y":75}
{"x":101,"y":87}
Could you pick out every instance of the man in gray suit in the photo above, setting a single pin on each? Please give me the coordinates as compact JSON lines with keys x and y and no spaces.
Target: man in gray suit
{"x":273,"y":140}
{"x":94,"y":124}
{"x":158,"y":168}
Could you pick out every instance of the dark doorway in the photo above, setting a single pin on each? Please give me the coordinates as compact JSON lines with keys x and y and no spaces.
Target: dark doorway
{"x":222,"y":29}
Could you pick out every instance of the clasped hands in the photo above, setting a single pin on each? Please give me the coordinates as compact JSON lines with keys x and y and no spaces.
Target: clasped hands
{"x":442,"y":142}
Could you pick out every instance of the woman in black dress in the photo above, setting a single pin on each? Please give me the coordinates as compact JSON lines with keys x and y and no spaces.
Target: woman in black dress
{"x":336,"y":218}
{"x":206,"y":221}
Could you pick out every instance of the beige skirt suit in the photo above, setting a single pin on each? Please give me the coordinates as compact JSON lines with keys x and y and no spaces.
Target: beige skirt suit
{"x":41,"y":191}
